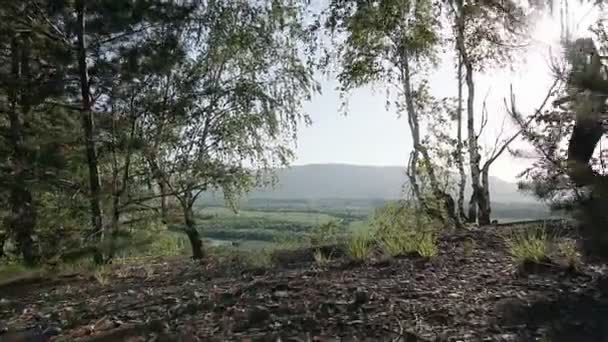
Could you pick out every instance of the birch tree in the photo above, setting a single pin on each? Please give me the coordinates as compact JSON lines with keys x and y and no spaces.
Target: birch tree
{"x":393,"y":43}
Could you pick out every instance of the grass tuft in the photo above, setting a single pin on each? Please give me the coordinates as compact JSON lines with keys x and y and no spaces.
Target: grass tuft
{"x":359,"y":247}
{"x":321,"y":258}
{"x":261,"y":258}
{"x":469,"y":247}
{"x":402,"y":230}
{"x":426,"y":246}
{"x":569,"y":251}
{"x":394,"y":244}
{"x":103,"y":275}
{"x":403,"y":243}
{"x":527,"y":245}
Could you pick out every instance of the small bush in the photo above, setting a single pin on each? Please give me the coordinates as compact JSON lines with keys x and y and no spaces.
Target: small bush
{"x":527,"y":245}
{"x":359,"y":246}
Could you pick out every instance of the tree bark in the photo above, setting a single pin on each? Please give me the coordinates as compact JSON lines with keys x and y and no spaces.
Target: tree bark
{"x":478,"y":200}
{"x":164,"y":209}
{"x":22,"y":220}
{"x":114,"y":226}
{"x":2,"y":241}
{"x":446,"y":201}
{"x":159,"y":178}
{"x":88,"y":127}
{"x":193,"y":235}
{"x":585,"y":136}
{"x":459,"y":152}
{"x":485,"y":210}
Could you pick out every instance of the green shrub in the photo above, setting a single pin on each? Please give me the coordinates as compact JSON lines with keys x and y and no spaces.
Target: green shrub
{"x":528,"y":244}
{"x":359,"y":246}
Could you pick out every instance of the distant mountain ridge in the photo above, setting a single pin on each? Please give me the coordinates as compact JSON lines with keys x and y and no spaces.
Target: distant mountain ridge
{"x":345,"y":181}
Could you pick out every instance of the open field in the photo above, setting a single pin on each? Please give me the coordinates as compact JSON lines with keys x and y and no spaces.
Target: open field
{"x":262,"y":223}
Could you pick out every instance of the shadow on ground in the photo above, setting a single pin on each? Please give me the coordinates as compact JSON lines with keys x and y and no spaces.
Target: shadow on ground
{"x":579,"y":314}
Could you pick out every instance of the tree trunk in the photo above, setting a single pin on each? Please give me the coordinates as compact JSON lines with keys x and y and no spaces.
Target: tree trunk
{"x":157,"y":175}
{"x":193,"y":235}
{"x":477,"y":199}
{"x":114,"y":226}
{"x":474,"y":157}
{"x":485,"y":210}
{"x":459,"y":153}
{"x":412,"y":172}
{"x":164,"y":209}
{"x":472,"y":215}
{"x":446,"y":201}
{"x":585,"y":136}
{"x":23,"y":214}
{"x":2,"y":241}
{"x":88,"y":127}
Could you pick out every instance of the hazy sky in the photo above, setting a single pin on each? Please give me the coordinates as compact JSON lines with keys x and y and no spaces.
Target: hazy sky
{"x":370,"y":135}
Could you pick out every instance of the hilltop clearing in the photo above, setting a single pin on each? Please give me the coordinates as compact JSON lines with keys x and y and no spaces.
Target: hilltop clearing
{"x":471,"y":291}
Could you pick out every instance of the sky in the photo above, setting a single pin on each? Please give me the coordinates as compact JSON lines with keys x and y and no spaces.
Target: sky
{"x":371,"y":135}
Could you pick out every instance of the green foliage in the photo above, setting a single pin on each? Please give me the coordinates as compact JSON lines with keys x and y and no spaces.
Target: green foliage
{"x":196,"y":96}
{"x":359,"y":246}
{"x":377,"y":35}
{"x":528,"y":244}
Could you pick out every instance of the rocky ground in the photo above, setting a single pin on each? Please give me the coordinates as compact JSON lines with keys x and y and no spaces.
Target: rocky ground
{"x":470,"y":292}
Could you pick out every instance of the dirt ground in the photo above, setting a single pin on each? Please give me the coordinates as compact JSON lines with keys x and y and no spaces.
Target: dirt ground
{"x":470,"y":292}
